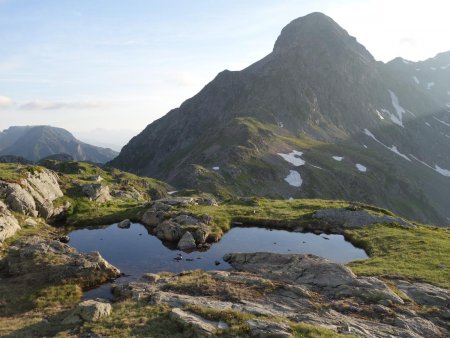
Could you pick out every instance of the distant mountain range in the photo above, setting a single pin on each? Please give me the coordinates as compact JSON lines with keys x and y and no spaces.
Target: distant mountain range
{"x":36,"y":142}
{"x":318,"y":117}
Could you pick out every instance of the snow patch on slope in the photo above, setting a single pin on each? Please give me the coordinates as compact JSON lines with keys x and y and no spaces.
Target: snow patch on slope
{"x":337,"y":158}
{"x":438,"y":169}
{"x":442,"y":171}
{"x":430,"y":85}
{"x":398,"y":108}
{"x":393,"y":148}
{"x":416,"y":80}
{"x":294,"y":179}
{"x":379,"y":114}
{"x":443,"y":122}
{"x":293,"y":157}
{"x":361,"y":168}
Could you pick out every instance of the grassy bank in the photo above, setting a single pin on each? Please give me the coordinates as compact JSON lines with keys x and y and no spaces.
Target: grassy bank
{"x":419,"y":254}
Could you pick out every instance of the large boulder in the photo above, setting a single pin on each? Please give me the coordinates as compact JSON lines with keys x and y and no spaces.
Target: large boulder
{"x":187,"y":242}
{"x":169,"y":231}
{"x":8,"y":223}
{"x":153,"y":217}
{"x":97,"y":192}
{"x":18,"y":199}
{"x":90,"y":311}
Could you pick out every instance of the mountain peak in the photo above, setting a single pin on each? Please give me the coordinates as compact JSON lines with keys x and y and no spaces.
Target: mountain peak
{"x":317,"y":33}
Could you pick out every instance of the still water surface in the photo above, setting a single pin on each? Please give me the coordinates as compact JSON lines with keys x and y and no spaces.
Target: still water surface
{"x":134,"y":251}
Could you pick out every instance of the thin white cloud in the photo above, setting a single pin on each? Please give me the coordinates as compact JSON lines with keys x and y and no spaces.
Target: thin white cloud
{"x":52,"y":105}
{"x":5,"y":102}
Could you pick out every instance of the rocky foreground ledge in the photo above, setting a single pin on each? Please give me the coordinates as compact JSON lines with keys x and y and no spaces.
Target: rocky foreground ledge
{"x":271,"y":293}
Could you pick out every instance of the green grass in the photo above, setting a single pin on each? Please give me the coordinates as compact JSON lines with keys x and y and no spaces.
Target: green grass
{"x":303,"y":330}
{"x":274,"y":213}
{"x":414,"y":254}
{"x":13,"y":172}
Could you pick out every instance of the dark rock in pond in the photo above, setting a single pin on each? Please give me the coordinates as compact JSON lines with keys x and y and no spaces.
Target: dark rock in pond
{"x":216,"y":263}
{"x":64,"y":239}
{"x":125,"y":224}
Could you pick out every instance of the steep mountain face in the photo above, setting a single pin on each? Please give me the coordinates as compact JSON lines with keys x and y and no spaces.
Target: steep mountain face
{"x":36,"y":142}
{"x":319,"y":117}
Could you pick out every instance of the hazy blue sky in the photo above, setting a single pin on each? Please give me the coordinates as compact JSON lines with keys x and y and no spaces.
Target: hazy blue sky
{"x":87,"y":64}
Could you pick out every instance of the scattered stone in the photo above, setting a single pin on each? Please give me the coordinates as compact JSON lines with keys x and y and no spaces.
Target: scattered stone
{"x":125,"y":224}
{"x":187,"y":242}
{"x":90,"y":311}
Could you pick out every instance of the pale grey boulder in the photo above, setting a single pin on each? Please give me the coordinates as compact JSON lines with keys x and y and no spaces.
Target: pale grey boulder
{"x":89,"y":311}
{"x":8,"y":223}
{"x":187,"y":242}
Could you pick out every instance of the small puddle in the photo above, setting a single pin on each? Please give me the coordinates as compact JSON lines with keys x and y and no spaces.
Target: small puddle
{"x":134,"y":251}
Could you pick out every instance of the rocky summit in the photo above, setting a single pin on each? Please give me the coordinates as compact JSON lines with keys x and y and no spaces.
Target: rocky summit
{"x":318,"y":117}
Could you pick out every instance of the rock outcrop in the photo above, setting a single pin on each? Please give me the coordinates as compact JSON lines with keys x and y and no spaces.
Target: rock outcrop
{"x":57,"y":262}
{"x":333,"y":279}
{"x":350,"y":219}
{"x":271,"y":297}
{"x":171,"y":225}
{"x":8,"y":223}
{"x":33,"y":195}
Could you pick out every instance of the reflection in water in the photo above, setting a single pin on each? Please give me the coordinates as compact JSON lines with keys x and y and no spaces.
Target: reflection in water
{"x":134,"y":251}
